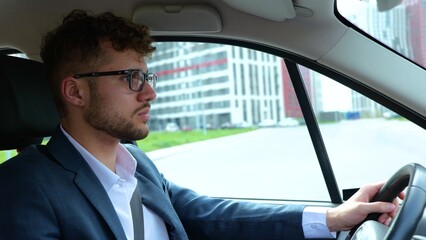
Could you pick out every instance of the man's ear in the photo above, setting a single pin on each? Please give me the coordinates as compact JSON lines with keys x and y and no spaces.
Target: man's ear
{"x":73,"y":91}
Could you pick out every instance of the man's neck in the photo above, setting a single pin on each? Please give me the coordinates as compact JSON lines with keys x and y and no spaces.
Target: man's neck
{"x":102,"y":146}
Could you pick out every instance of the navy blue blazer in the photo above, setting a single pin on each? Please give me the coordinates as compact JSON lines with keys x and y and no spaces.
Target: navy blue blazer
{"x":50,"y":192}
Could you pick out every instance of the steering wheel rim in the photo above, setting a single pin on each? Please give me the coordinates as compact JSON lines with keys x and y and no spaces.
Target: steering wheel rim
{"x":405,"y":222}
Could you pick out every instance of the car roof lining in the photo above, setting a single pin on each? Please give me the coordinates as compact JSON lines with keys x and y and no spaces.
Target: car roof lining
{"x":179,"y":18}
{"x":312,"y":43}
{"x":275,"y":10}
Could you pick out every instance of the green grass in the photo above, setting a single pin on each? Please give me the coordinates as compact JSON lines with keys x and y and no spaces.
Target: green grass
{"x":4,"y":155}
{"x":158,"y":140}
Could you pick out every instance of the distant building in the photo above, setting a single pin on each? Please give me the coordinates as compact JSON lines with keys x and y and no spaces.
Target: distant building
{"x":211,"y":85}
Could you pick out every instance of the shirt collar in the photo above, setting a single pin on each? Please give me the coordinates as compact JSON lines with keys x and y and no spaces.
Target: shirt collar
{"x":125,"y":164}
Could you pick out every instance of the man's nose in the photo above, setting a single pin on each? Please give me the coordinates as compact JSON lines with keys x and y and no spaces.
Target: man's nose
{"x":147,"y":93}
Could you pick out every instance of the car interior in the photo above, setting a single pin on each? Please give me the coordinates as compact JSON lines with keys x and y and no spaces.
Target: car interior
{"x":308,"y":39}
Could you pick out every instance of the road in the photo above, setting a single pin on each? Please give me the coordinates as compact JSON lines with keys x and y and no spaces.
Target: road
{"x":280,"y":163}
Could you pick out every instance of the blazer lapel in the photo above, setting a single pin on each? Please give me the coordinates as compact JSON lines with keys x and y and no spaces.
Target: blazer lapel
{"x":94,"y":191}
{"x":85,"y":179}
{"x":155,"y":199}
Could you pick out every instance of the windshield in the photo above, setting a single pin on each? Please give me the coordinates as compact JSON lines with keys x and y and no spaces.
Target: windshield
{"x":399,"y":24}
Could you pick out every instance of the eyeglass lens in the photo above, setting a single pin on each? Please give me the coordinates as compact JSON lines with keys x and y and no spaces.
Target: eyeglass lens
{"x":137,"y":81}
{"x":139,"y":78}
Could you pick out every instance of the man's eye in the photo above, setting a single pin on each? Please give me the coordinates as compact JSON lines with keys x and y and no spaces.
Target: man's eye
{"x":125,"y":78}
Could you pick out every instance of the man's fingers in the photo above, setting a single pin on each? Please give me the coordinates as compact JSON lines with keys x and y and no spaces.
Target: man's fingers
{"x":370,"y":190}
{"x":389,"y":210}
{"x":379,"y":207}
{"x":383,"y":218}
{"x":401,"y":195}
{"x":394,"y":212}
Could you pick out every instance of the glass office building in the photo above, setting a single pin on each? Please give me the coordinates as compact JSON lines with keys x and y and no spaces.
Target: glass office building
{"x":204,"y":85}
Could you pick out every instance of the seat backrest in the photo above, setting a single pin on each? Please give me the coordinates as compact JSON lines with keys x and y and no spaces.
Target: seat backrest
{"x":27,"y":109}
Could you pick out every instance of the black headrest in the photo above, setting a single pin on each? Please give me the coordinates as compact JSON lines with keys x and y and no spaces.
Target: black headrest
{"x":18,"y":143}
{"x":27,"y":109}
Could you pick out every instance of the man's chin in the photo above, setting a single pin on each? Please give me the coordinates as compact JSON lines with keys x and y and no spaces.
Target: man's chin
{"x":142,"y":134}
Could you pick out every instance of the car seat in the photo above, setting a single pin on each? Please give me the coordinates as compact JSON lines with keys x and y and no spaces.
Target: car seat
{"x":27,"y":109}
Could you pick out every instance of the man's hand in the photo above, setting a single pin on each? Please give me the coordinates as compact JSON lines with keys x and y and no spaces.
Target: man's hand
{"x":356,"y":209}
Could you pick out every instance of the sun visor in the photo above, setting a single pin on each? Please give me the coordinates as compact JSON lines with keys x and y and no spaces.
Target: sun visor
{"x":187,"y":18}
{"x":276,"y":10}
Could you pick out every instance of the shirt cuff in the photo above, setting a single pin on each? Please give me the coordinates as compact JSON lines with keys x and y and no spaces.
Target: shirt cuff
{"x":314,"y":223}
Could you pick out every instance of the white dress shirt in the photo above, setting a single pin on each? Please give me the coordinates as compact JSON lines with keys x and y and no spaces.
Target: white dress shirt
{"x":314,"y":223}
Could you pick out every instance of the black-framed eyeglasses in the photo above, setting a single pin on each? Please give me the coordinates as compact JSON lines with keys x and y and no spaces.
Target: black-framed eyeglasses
{"x":135,"y":77}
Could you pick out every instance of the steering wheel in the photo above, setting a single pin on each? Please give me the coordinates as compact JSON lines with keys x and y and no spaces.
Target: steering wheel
{"x":403,"y":226}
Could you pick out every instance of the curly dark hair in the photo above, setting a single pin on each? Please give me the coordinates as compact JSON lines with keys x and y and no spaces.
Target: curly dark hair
{"x":74,"y":46}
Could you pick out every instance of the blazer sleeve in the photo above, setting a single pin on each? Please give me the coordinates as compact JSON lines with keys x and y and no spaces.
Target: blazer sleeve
{"x":213,"y":218}
{"x":25,"y":210}
{"x":206,"y":218}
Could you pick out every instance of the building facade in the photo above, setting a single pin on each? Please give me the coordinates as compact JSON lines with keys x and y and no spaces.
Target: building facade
{"x":203,"y":85}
